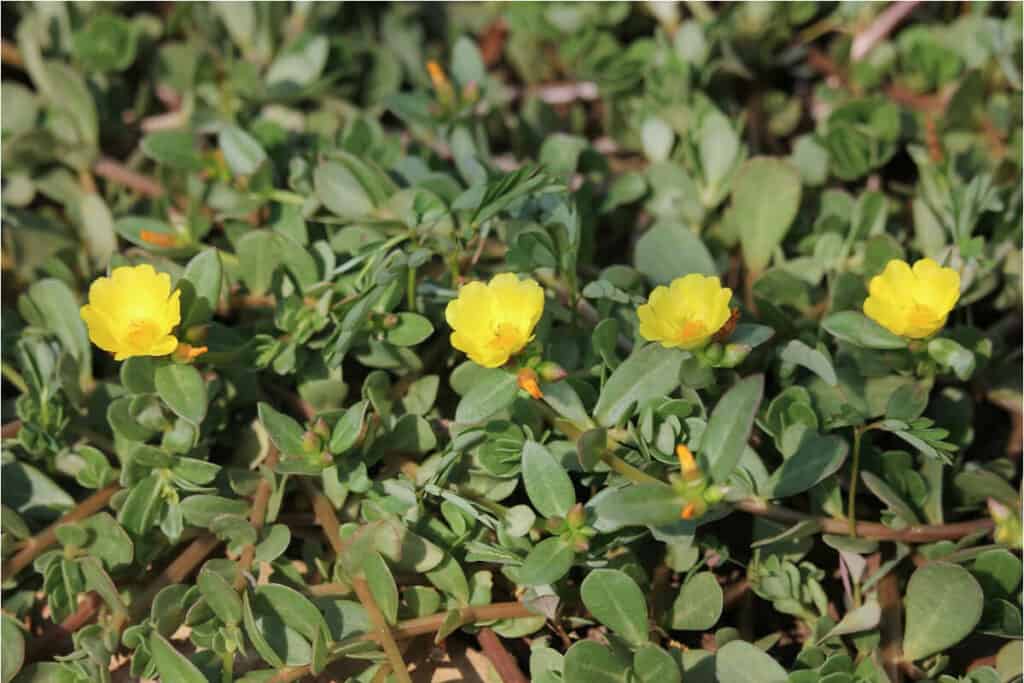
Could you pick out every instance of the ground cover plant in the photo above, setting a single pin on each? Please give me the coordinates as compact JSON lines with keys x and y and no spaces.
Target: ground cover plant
{"x":623,"y":343}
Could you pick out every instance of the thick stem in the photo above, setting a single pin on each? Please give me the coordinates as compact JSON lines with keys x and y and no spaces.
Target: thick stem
{"x":176,"y":572}
{"x":921,"y":533}
{"x":256,"y":518}
{"x":329,"y":523}
{"x":40,"y":542}
{"x":625,"y":469}
{"x":851,"y":505}
{"x":412,"y":628}
{"x":502,"y":660}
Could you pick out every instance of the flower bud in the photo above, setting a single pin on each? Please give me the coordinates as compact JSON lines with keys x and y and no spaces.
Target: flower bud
{"x":527,"y":378}
{"x":734,"y":355}
{"x":186,"y":353}
{"x":311,"y":443}
{"x":551,"y":372}
{"x":687,"y":463}
{"x":576,"y":516}
{"x":321,"y":429}
{"x":713,"y":353}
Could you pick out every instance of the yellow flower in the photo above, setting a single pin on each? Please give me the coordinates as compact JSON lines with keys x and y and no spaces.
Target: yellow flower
{"x":914,"y":302}
{"x":132,"y":312}
{"x":492,"y":322}
{"x":687,"y":313}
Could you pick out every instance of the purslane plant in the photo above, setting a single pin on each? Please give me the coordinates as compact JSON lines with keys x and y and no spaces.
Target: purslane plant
{"x":623,"y":343}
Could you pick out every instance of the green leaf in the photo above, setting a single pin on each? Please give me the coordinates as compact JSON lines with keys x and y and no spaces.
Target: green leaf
{"x":649,"y":372}
{"x":740,"y":662}
{"x":857,"y":329}
{"x":242,"y":152}
{"x":670,"y":250}
{"x":220,"y":596}
{"x":51,"y":305}
{"x":339,"y":190}
{"x":699,"y":604}
{"x":96,"y":226}
{"x":259,"y":255}
{"x":201,"y":509}
{"x":729,"y":427}
{"x":944,"y":604}
{"x":12,"y":642}
{"x":493,"y":392}
{"x":200,"y":288}
{"x":765,"y":199}
{"x":411,"y":329}
{"x":547,"y":562}
{"x":348,"y":429}
{"x":651,"y":664}
{"x":140,"y":509}
{"x":890,"y":497}
{"x":590,"y":662}
{"x":798,"y":353}
{"x":816,"y":458}
{"x":617,"y":602}
{"x":641,"y":505}
{"x":173,"y":148}
{"x":382,"y":585}
{"x":171,"y":664}
{"x":97,"y":579}
{"x":182,"y":388}
{"x":860,"y":619}
{"x":467,"y":64}
{"x":293,"y":608}
{"x":285,"y":432}
{"x":547,"y":484}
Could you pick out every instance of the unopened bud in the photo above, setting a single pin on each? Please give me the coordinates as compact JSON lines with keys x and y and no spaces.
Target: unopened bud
{"x":321,"y":429}
{"x":159,"y":239}
{"x":734,"y":355}
{"x":576,"y":516}
{"x":693,"y":509}
{"x":687,"y":463}
{"x":580,"y":544}
{"x":714,"y":494}
{"x":389,"y":321}
{"x":713,"y":353}
{"x":554,"y":524}
{"x":196,"y":334}
{"x":527,"y":378}
{"x":311,"y":443}
{"x":551,"y":372}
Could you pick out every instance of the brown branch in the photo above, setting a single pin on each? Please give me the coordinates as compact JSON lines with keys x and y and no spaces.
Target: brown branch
{"x":41,"y":541}
{"x":176,"y":572}
{"x":921,"y":533}
{"x":411,"y":628}
{"x":891,"y":625}
{"x":10,"y":430}
{"x":881,"y":27}
{"x":257,"y":516}
{"x":502,"y":660}
{"x":58,"y":639}
{"x":9,"y":54}
{"x":118,"y":173}
{"x":328,"y":521}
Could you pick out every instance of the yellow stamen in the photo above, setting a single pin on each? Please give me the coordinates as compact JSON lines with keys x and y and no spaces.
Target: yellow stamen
{"x":691,"y":330}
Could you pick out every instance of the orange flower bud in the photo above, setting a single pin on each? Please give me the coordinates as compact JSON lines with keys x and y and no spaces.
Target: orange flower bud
{"x":527,"y":380}
{"x":186,"y":353}
{"x":158,"y":239}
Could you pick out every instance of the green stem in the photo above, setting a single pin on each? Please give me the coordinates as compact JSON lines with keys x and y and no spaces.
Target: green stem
{"x":410,"y":286}
{"x":227,"y":671}
{"x":625,"y":469}
{"x":14,"y":377}
{"x":851,"y":505}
